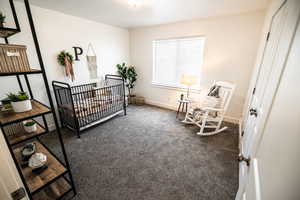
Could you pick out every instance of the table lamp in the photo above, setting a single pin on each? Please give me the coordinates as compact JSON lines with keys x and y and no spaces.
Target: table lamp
{"x":188,"y":80}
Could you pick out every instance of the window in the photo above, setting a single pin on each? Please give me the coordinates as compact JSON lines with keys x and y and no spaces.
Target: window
{"x":173,"y":58}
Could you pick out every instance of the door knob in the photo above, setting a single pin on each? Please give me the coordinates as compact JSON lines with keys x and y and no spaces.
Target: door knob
{"x":253,"y":112}
{"x":241,"y":158}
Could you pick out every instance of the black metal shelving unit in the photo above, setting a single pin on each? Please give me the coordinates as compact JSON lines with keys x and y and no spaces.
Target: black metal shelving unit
{"x":56,"y":181}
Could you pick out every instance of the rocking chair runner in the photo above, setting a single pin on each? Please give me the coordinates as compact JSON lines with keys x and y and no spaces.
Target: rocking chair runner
{"x":211,"y":117}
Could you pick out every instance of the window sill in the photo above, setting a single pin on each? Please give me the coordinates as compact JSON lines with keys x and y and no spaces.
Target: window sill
{"x":176,"y":88}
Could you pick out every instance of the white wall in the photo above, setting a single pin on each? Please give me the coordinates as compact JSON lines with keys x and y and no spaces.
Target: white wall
{"x":230,"y":52}
{"x":57,"y":31}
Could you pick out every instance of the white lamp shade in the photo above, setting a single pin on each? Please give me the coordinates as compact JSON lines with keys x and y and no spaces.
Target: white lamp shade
{"x":188,"y":80}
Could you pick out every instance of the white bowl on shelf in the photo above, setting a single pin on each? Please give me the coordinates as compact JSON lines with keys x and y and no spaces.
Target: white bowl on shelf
{"x":21,"y":106}
{"x":37,"y":160}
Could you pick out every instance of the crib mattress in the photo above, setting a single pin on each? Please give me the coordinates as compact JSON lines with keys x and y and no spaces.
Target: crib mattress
{"x":92,"y":105}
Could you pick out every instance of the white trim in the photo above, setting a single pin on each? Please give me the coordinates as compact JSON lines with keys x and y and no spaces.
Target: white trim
{"x":173,"y":107}
{"x":177,"y":88}
{"x":182,"y":38}
{"x":256,"y":179}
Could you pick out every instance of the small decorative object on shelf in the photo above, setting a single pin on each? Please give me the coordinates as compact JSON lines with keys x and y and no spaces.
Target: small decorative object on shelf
{"x":5,"y":105}
{"x":30,"y":126}
{"x":181,"y":97}
{"x":27,"y":151}
{"x":20,"y":102}
{"x":38,"y":162}
{"x":2,"y":19}
{"x":66,"y":59}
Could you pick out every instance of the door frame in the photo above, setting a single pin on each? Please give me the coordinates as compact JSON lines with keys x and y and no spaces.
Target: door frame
{"x":10,"y":181}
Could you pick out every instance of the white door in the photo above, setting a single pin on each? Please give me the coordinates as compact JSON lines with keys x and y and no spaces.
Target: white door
{"x":281,"y":34}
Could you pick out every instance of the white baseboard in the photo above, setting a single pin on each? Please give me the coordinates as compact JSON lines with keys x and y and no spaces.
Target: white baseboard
{"x":172,"y":107}
{"x":161,"y":105}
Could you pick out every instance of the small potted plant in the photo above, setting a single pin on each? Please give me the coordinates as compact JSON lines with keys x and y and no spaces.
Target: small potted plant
{"x":29,"y":126}
{"x":2,"y":19}
{"x":20,"y":102}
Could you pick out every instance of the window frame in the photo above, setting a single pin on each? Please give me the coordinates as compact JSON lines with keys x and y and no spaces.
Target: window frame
{"x":174,"y":86}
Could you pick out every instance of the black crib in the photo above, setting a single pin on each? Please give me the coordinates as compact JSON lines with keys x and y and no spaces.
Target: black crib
{"x":84,"y":106}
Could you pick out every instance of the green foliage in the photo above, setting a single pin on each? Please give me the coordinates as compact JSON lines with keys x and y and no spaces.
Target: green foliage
{"x":61,"y":57}
{"x":29,"y":123}
{"x":20,"y":96}
{"x":129,"y":74}
{"x":122,"y":70}
{"x":2,"y":17}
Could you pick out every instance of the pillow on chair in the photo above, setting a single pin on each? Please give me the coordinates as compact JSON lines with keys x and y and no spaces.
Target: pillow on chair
{"x":214,"y":91}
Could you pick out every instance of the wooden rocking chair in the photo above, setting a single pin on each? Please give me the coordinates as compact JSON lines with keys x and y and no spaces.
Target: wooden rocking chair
{"x":211,"y":116}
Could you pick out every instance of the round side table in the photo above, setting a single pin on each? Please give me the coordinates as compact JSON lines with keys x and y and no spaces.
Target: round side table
{"x":184,"y":103}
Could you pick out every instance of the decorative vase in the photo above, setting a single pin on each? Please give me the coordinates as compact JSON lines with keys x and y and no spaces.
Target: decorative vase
{"x":29,"y":129}
{"x":37,"y":160}
{"x":21,"y":106}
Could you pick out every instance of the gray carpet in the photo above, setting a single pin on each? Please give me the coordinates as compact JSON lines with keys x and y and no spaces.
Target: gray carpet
{"x":149,"y":155}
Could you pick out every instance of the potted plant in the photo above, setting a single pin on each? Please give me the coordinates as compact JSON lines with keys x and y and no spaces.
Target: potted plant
{"x":29,"y":126}
{"x":131,"y":79}
{"x":2,"y":19}
{"x":20,"y":102}
{"x":129,"y":75}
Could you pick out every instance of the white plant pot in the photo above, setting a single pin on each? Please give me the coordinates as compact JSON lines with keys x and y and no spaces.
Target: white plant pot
{"x":21,"y":106}
{"x":30,"y":129}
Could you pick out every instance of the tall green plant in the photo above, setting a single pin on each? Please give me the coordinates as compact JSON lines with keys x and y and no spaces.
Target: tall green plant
{"x":129,"y":74}
{"x":122,"y":70}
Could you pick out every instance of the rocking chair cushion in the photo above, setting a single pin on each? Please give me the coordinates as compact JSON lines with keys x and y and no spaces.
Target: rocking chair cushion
{"x":211,"y":101}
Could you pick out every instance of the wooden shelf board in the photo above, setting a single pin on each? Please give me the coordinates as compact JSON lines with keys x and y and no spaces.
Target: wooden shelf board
{"x":54,"y":191}
{"x":12,"y":117}
{"x":37,"y":181}
{"x":7,"y":32}
{"x":17,"y":134}
{"x":12,"y":73}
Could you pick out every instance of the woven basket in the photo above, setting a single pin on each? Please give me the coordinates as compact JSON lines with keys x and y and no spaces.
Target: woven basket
{"x":13,"y":58}
{"x":137,"y":100}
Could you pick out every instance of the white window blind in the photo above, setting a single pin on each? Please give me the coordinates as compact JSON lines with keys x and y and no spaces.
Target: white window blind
{"x":174,"y":57}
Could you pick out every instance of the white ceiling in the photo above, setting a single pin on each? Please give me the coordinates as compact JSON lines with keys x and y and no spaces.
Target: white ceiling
{"x":150,"y":12}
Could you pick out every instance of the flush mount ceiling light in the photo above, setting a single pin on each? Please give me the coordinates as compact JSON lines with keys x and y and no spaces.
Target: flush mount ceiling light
{"x":135,"y":3}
